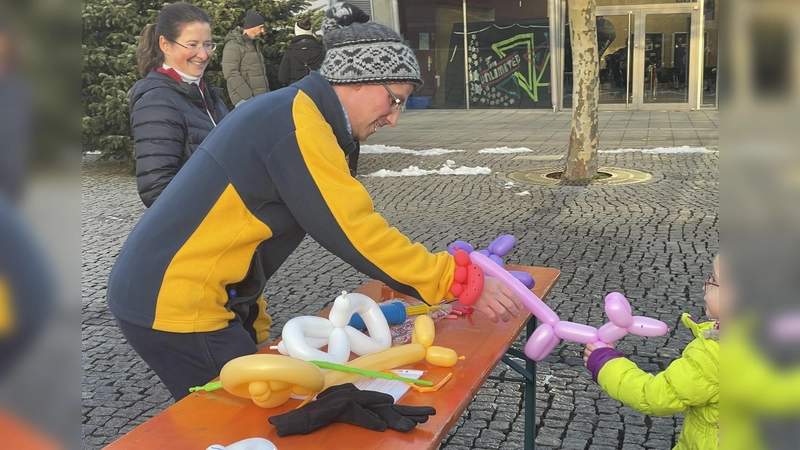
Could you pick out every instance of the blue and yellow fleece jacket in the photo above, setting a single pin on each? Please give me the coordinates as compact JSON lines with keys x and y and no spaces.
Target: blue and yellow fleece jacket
{"x":273,"y":171}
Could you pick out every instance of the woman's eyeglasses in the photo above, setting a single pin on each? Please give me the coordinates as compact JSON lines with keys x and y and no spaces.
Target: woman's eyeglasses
{"x":710,"y":281}
{"x":397,"y":104}
{"x":207,"y":46}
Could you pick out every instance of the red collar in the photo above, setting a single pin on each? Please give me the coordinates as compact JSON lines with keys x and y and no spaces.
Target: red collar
{"x":172,"y":73}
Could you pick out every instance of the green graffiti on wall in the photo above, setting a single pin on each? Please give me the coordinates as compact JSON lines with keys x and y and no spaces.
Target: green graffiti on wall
{"x":530,"y":72}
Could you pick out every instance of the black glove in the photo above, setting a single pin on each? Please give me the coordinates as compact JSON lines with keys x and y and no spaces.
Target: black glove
{"x":396,"y":417}
{"x":345,"y":403}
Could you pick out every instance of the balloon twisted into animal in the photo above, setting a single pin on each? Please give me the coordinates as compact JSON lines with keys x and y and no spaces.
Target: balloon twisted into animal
{"x":552,"y":329}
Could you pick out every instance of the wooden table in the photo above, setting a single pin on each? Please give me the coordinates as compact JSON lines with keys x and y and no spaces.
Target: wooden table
{"x":207,"y":418}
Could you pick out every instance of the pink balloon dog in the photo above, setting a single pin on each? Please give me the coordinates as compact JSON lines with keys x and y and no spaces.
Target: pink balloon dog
{"x":495,"y":251}
{"x":547,"y":335}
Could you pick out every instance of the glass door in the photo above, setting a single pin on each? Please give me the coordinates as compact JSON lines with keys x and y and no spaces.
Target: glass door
{"x":667,"y":55}
{"x":660,"y":70}
{"x":614,"y":32}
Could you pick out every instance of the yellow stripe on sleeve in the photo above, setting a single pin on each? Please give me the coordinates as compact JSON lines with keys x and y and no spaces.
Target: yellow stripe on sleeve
{"x":352,"y":208}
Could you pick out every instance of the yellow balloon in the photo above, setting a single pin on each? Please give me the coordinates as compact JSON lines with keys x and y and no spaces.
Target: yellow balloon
{"x":269,"y":379}
{"x":424,"y":331}
{"x":276,"y":398}
{"x":258,"y":389}
{"x":385,"y":359}
{"x":441,"y":356}
{"x":299,"y":390}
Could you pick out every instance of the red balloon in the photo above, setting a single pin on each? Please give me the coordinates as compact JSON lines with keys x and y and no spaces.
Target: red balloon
{"x":474,"y":285}
{"x":461,"y":257}
{"x":460,"y":275}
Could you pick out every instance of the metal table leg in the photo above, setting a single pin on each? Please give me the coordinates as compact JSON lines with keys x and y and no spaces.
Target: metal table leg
{"x":529,"y":378}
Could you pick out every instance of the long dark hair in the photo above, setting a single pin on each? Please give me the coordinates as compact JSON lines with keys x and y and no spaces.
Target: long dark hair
{"x":170,"y":23}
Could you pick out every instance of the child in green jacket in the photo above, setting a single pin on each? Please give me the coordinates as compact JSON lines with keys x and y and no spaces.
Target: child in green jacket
{"x":689,"y":385}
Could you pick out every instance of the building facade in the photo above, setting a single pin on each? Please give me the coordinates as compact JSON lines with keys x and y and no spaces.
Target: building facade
{"x":654,"y":54}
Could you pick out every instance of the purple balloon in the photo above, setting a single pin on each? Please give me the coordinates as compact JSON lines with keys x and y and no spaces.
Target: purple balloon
{"x":609,"y":333}
{"x":618,"y":310}
{"x":483,"y":252}
{"x":524,"y":277}
{"x":502,"y":245}
{"x":576,"y":332}
{"x":461,"y":245}
{"x":645,"y":326}
{"x":497,"y":260}
{"x":534,"y":304}
{"x":541,"y":343}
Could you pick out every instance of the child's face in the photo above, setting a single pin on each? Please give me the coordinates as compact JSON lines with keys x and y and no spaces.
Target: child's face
{"x":713,"y":293}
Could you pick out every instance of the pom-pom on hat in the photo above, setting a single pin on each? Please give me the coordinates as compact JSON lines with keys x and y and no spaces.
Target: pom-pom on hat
{"x":362,"y":52}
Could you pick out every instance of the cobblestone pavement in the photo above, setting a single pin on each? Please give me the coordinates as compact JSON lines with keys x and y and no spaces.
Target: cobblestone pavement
{"x":652,"y":241}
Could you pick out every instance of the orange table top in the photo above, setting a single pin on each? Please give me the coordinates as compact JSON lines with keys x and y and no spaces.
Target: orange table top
{"x":205,"y":418}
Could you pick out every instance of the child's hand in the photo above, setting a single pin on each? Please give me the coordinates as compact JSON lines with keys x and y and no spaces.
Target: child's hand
{"x":588,"y":351}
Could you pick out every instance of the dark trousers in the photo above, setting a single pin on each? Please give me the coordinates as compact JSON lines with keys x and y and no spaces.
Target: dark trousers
{"x":184,"y":360}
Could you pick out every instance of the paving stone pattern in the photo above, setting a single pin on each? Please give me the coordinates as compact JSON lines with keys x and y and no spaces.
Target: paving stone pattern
{"x":652,"y":241}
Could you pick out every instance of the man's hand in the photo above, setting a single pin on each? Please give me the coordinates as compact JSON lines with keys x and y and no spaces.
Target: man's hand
{"x":497,"y":301}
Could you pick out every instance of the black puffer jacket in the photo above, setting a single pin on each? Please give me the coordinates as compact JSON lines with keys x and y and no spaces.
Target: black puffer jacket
{"x":168,"y":122}
{"x":304,"y":54}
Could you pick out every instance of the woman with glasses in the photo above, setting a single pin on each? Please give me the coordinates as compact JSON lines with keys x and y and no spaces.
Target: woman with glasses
{"x":171,"y":109}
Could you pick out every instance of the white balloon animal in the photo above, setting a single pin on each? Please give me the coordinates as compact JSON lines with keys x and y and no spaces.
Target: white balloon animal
{"x":303,"y":336}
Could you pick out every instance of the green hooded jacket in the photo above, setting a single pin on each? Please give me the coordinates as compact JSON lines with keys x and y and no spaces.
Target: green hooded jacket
{"x":762,"y":388}
{"x":243,"y":67}
{"x":689,"y":385}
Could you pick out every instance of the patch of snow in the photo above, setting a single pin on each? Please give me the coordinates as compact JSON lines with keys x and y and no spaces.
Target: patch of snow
{"x":684,"y":149}
{"x":384,"y":149}
{"x":447,"y":169}
{"x":506,"y":150}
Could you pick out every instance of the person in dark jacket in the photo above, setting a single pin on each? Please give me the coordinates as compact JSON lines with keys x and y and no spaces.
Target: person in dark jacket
{"x":171,"y":109}
{"x":304,"y":54}
{"x":242,"y":61}
{"x":186,"y":287}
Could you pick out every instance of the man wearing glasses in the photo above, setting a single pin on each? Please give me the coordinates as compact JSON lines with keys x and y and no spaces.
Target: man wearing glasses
{"x":192,"y":272}
{"x":242,"y":61}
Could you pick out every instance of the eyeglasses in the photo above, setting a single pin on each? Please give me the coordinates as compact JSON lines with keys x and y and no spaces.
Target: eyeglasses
{"x":710,"y":281}
{"x":397,"y":104}
{"x":207,"y":46}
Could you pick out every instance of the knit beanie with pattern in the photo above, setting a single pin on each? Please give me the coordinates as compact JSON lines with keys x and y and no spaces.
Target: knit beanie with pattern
{"x":362,"y":52}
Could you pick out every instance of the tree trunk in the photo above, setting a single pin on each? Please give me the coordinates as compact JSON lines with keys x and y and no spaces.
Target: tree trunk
{"x":582,"y":154}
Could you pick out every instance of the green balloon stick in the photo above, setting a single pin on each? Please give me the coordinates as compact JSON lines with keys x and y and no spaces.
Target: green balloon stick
{"x":215,"y":385}
{"x":212,"y":386}
{"x":368,"y":373}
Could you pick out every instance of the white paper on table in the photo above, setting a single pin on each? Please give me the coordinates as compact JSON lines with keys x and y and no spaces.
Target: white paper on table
{"x":394,"y":388}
